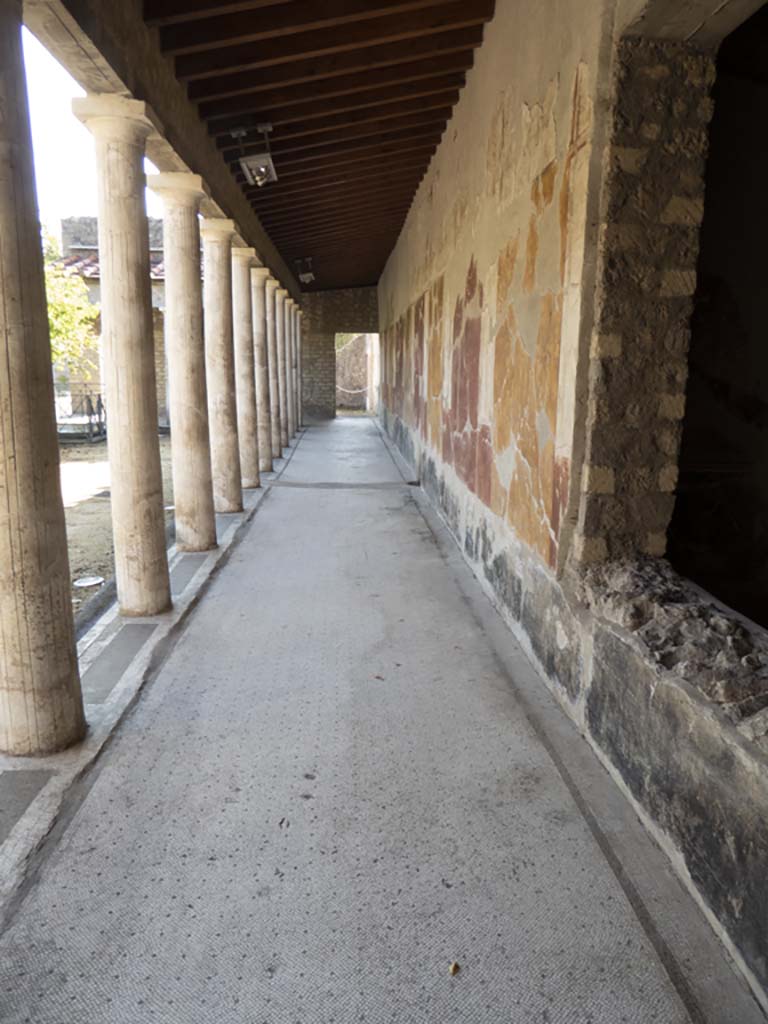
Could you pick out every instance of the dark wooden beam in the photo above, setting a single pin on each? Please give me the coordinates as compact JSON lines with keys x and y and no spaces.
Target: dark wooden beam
{"x":358,"y":84}
{"x":316,"y":186}
{"x":357,"y":205}
{"x":327,"y":163}
{"x":357,"y":35}
{"x":260,"y":24}
{"x":360,"y":213}
{"x":322,"y":197}
{"x":355,"y":124}
{"x":445,"y":86}
{"x":321,"y":69}
{"x":316,"y":234}
{"x":167,"y":12}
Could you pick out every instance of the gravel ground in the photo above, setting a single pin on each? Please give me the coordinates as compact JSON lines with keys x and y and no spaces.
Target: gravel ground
{"x":85,"y":484}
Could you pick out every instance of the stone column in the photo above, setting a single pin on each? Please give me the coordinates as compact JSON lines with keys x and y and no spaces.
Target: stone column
{"x":41,"y":709}
{"x":282,"y":379}
{"x":185,"y":352}
{"x":288,"y":311}
{"x":220,"y":363}
{"x":274,"y":376}
{"x":245,"y":369}
{"x":295,"y":353}
{"x":300,"y":381}
{"x":259,"y":277}
{"x":120,"y":127}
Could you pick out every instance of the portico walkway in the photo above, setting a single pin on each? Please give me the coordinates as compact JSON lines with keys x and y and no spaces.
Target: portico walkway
{"x":333,"y":789}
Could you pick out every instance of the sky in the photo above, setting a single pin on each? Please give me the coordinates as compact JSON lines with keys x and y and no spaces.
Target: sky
{"x":65,"y":165}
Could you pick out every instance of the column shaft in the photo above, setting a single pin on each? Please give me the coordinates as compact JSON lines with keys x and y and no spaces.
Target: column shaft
{"x":288,"y":309}
{"x":259,"y":277}
{"x":282,"y":379}
{"x":295,"y":375}
{"x":245,"y":369}
{"x":300,"y":384}
{"x":120,"y":127}
{"x":41,"y":709}
{"x":185,"y":351}
{"x":220,"y":364}
{"x":274,"y":376}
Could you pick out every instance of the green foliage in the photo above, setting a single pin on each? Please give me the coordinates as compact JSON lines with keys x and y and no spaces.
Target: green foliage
{"x":71,"y":315}
{"x":343,"y":339}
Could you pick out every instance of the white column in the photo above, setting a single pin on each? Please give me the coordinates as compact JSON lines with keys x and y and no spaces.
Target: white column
{"x":259,"y":277}
{"x":120,"y":127}
{"x":280,"y":297}
{"x":245,"y":369}
{"x":41,"y":709}
{"x":185,"y":352}
{"x":274,"y":376}
{"x":295,"y":337}
{"x":289,"y":366}
{"x":300,"y":384}
{"x":220,"y":363}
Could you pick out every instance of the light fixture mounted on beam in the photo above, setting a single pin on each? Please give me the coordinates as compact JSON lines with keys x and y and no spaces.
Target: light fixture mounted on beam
{"x":304,"y":270}
{"x":258,"y":167}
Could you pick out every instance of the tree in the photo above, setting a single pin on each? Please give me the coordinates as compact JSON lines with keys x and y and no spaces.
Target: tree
{"x":71,"y":315}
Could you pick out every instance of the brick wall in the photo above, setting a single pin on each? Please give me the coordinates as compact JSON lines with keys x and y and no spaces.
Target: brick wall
{"x":161,"y":370}
{"x":353,"y":310}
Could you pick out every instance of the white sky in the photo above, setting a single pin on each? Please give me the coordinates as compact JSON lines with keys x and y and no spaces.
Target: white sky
{"x":65,"y":167}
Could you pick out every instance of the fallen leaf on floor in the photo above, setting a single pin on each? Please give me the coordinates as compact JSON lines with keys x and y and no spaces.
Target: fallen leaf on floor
{"x":454,"y":969}
{"x":379,"y":677}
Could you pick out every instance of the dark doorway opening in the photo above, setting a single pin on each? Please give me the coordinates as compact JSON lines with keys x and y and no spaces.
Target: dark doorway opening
{"x":719,"y":532}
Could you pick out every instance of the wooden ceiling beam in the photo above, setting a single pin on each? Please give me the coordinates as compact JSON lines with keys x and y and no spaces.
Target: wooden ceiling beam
{"x":328,"y":200}
{"x":358,"y":205}
{"x":445,"y":86}
{"x":320,"y":158}
{"x":335,"y":66}
{"x":383,"y":214}
{"x":357,"y":35}
{"x":169,"y":12}
{"x":405,"y":150}
{"x":309,"y":239}
{"x":259,"y":24}
{"x":319,"y":185}
{"x":308,"y":201}
{"x":355,"y":124}
{"x":299,"y":141}
{"x":361,"y":83}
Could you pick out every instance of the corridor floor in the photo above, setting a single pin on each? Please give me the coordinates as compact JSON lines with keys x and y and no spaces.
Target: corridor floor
{"x":329,"y":793}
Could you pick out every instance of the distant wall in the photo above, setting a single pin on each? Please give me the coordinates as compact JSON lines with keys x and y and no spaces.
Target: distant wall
{"x":352,"y":373}
{"x":327,"y":314}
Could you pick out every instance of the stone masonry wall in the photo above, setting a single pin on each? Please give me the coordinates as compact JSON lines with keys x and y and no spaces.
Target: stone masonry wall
{"x":649,"y":248}
{"x":534,"y":342}
{"x":326,"y":314}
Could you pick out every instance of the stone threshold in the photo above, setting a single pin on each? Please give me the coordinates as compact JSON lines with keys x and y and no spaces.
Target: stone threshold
{"x":117,"y":656}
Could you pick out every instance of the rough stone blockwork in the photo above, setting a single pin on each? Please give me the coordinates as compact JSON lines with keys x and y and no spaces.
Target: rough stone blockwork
{"x":327,"y":314}
{"x":649,"y":250}
{"x":670,"y":689}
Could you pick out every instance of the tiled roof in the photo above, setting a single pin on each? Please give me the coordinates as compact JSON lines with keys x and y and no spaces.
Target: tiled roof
{"x":86,"y":264}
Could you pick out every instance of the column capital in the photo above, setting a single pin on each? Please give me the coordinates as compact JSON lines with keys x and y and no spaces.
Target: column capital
{"x":218,"y":229}
{"x":272,"y":284}
{"x":178,"y":188}
{"x":281,"y":293}
{"x":115,"y":117}
{"x":242,"y":253}
{"x":260,"y":275}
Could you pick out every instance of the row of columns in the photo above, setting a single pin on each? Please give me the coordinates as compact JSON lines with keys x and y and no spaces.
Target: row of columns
{"x":233,"y":351}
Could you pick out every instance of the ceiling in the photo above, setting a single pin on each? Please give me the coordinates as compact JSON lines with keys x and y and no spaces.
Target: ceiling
{"x":358,"y":93}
